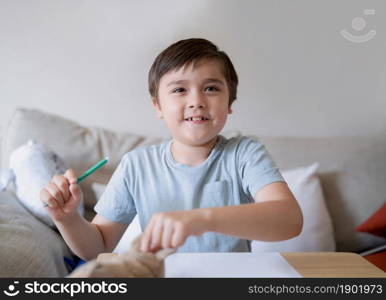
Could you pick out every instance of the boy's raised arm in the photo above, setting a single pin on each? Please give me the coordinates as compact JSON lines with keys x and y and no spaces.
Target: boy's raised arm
{"x":83,"y":237}
{"x":86,"y":239}
{"x":61,"y":198}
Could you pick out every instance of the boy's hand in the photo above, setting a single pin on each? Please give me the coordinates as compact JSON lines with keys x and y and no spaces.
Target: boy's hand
{"x":171,"y":229}
{"x":63,"y":195}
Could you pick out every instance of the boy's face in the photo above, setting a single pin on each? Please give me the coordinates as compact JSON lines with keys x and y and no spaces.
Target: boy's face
{"x":200,"y":93}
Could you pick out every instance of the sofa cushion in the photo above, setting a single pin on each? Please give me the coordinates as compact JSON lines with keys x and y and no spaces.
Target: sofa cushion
{"x":28,"y":247}
{"x":376,"y":223}
{"x":353,"y":175}
{"x":79,"y":146}
{"x":317,"y":233}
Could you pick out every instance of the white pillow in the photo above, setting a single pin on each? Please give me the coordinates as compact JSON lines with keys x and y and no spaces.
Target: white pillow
{"x":34,"y":165}
{"x":317,"y":233}
{"x":132,"y":231}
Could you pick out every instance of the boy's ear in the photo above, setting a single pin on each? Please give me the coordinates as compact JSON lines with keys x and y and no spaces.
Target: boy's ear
{"x":230,"y":110}
{"x":157,"y":108}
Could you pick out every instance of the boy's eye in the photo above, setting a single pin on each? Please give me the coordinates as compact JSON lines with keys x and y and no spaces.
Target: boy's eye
{"x":178,"y":90}
{"x":211,"y":89}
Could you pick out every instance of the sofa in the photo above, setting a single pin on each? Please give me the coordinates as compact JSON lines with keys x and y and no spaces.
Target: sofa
{"x":352,"y":173}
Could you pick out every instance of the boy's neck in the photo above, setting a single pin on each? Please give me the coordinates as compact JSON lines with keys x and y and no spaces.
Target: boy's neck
{"x":192,"y":155}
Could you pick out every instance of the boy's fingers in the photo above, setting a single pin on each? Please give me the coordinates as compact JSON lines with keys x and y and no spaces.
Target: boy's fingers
{"x":145,"y":240}
{"x":75,"y":191}
{"x":55,"y":193}
{"x":51,"y":202}
{"x":167,"y":236}
{"x":156,"y":234}
{"x":63,"y":185}
{"x":178,"y":237}
{"x":70,"y":175}
{"x":45,"y":197}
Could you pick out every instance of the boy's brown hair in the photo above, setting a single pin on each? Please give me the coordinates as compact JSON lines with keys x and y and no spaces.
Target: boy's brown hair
{"x":185,"y":52}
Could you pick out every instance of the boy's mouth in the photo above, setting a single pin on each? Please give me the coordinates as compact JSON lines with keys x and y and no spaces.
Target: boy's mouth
{"x":197,"y":119}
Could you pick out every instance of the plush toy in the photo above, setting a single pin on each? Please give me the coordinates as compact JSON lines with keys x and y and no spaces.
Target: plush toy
{"x":33,"y":166}
{"x":132,"y":263}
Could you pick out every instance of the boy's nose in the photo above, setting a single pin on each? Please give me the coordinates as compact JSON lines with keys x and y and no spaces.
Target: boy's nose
{"x":197,"y":101}
{"x":197,"y":105}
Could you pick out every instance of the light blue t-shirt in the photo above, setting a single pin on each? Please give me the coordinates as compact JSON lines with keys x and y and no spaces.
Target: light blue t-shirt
{"x":148,"y":180}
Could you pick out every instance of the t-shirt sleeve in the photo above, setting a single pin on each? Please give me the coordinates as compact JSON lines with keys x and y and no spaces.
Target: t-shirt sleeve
{"x":256,"y":167}
{"x":116,"y":202}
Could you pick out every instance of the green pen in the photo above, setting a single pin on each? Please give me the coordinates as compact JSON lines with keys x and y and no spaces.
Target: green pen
{"x":89,"y":172}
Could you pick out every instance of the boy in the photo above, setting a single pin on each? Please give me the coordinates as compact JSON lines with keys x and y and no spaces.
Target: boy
{"x":199,"y":191}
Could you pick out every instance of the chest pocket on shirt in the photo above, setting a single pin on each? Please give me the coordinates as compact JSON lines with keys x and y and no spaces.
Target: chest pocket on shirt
{"x":216,"y":193}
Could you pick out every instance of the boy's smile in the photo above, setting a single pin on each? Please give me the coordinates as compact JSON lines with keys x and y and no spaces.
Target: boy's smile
{"x":194,"y":102}
{"x":197,"y":119}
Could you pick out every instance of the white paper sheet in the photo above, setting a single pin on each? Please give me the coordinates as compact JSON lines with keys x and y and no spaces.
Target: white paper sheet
{"x":254,"y":265}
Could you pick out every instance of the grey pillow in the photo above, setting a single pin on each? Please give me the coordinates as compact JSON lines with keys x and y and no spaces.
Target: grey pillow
{"x":28,"y":247}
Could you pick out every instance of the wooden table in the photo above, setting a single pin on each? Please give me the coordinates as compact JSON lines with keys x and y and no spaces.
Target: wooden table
{"x":321,"y":264}
{"x":332,"y":264}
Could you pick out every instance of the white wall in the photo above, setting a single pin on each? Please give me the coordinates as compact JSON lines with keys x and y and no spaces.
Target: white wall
{"x":88,"y":61}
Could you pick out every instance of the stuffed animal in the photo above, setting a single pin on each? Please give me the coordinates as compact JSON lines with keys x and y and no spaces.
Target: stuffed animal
{"x":33,"y":166}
